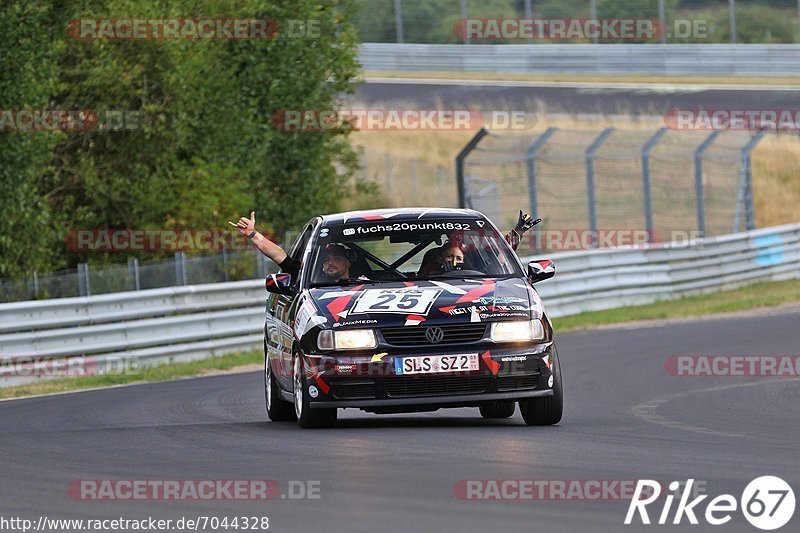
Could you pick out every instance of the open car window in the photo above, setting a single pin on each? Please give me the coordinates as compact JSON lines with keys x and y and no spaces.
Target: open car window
{"x":388,"y":251}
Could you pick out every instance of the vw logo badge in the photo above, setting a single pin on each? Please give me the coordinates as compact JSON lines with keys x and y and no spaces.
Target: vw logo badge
{"x":434,"y":334}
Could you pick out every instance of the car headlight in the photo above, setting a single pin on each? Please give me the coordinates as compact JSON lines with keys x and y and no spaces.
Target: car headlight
{"x":518,"y":331}
{"x":347,"y":339}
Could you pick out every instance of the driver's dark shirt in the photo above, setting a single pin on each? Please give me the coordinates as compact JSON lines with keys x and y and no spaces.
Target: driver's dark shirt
{"x":291,"y":266}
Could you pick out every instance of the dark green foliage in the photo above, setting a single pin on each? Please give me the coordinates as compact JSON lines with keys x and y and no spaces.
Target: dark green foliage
{"x":204,"y":150}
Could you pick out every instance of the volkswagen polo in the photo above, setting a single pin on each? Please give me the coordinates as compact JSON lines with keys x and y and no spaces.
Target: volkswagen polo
{"x":409,"y":328}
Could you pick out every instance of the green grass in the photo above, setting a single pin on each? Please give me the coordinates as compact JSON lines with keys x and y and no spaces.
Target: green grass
{"x":152,"y":374}
{"x":760,"y":295}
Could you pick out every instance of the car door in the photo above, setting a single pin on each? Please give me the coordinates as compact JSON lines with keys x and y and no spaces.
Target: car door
{"x":283,"y":310}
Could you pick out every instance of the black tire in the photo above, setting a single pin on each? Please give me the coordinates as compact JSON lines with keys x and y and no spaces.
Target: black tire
{"x":308,"y":418}
{"x":278,"y":409}
{"x":497,"y":409}
{"x":548,"y":410}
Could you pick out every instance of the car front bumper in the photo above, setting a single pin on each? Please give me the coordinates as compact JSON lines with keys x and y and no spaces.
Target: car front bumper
{"x":369,"y":380}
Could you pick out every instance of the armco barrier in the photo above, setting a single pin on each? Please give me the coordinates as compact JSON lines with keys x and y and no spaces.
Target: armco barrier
{"x":184,"y":323}
{"x":665,"y":59}
{"x":604,"y":279}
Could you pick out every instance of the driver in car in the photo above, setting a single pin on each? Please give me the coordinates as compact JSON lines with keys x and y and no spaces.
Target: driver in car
{"x":449,"y":257}
{"x":335,"y":263}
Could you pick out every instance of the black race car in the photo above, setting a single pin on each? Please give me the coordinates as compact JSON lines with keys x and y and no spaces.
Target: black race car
{"x":408,"y":310}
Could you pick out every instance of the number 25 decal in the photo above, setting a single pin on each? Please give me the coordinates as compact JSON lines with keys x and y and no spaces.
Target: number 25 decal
{"x":405,"y":300}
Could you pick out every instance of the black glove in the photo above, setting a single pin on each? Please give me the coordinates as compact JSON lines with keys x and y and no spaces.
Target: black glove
{"x":525,"y":222}
{"x":449,"y":266}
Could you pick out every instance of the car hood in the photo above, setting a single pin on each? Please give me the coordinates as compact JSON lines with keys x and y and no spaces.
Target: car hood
{"x":427,"y":302}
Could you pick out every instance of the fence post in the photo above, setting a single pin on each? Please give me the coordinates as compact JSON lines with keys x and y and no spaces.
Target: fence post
{"x":529,"y":13}
{"x":460,"y":158}
{"x":590,"y":188}
{"x":180,"y":269}
{"x":133,"y":266}
{"x":414,"y":180}
{"x":398,"y":20}
{"x":440,"y":174}
{"x":84,"y":289}
{"x":35,"y":284}
{"x":464,"y":17}
{"x":698,"y":182}
{"x":225,"y":264}
{"x":746,"y":186}
{"x":261,"y":266}
{"x":362,"y":159}
{"x":530,"y":160}
{"x":647,"y":191}
{"x":387,"y":160}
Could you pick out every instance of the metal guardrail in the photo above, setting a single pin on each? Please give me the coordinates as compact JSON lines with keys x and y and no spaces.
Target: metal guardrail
{"x":665,"y":59}
{"x":604,"y":279}
{"x":184,"y":323}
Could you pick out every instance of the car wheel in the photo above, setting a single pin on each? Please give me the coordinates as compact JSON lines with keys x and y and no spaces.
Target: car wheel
{"x":278,"y":410}
{"x":497,"y":409}
{"x":307,"y":417}
{"x":546,"y":411}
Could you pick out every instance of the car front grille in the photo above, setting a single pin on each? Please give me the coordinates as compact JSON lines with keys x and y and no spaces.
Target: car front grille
{"x":430,"y":386}
{"x":507,"y":383}
{"x":453,"y":334}
{"x":353,"y":389}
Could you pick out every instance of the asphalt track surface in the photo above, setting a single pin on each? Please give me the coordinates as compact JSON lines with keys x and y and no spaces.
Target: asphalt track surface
{"x":655,"y":99}
{"x":626,"y":418}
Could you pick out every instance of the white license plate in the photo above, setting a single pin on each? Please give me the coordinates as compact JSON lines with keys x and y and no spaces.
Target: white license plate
{"x":435,"y":364}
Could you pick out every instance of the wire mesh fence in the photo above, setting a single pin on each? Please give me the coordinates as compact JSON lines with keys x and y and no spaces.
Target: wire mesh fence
{"x":408,"y":181}
{"x":181,"y":270}
{"x":653,"y":185}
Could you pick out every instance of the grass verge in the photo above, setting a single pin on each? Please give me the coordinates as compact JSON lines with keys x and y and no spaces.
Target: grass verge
{"x":757,"y":296}
{"x":145,"y":375}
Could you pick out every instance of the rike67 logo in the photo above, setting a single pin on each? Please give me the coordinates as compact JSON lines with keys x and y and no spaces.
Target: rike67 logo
{"x":767,"y":503}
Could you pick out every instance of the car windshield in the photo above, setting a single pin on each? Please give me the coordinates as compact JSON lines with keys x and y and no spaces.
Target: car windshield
{"x":398,"y":251}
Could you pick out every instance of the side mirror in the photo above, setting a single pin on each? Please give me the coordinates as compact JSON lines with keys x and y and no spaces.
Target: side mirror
{"x":280,"y":283}
{"x":541,"y":270}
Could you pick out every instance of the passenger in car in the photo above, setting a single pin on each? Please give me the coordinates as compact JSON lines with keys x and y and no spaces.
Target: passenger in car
{"x":335,"y":264}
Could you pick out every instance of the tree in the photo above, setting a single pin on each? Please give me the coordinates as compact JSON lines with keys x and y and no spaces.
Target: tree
{"x":29,"y":77}
{"x":199,"y":146}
